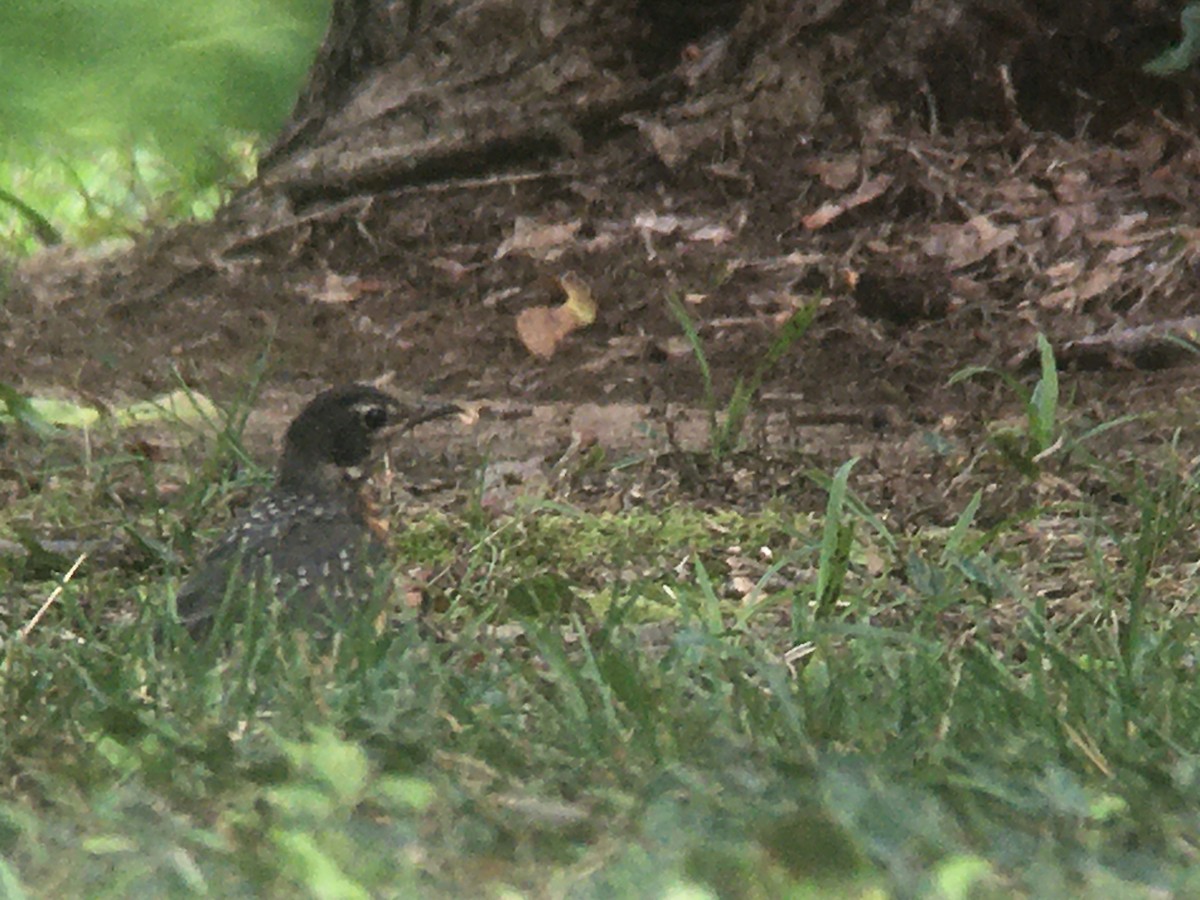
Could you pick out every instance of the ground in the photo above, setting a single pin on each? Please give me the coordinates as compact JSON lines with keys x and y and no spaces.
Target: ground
{"x":1016,"y":622}
{"x":928,"y":241}
{"x":931,"y":234}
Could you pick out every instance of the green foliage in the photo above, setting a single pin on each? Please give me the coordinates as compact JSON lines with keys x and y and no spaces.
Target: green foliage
{"x":1176,"y":59}
{"x":1044,"y":434}
{"x":20,"y":409}
{"x":597,"y":711}
{"x":1166,"y":511}
{"x":122,"y":110}
{"x":1024,"y":450}
{"x":725,"y":432}
{"x":183,"y":407}
{"x":835,"y":546}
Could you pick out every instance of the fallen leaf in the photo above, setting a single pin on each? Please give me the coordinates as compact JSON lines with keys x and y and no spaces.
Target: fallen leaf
{"x":869,"y":190}
{"x":451,"y":268}
{"x":1075,"y":291}
{"x":620,"y":348}
{"x":495,"y":298}
{"x":676,"y":345}
{"x":469,"y":411}
{"x":653,"y":222}
{"x":545,"y":242}
{"x":1066,"y":271}
{"x":742,"y":585}
{"x":1073,"y":187}
{"x":168,"y":489}
{"x":1098,"y":281}
{"x":188,"y":407}
{"x":836,"y":174}
{"x":542,"y":328}
{"x":1066,"y":220}
{"x":712,"y":233}
{"x":335,"y":288}
{"x":414,"y":596}
{"x":963,"y":245}
{"x":1122,"y":232}
{"x":579,"y":299}
{"x":1119,"y":255}
{"x":1063,"y":298}
{"x":1165,"y":343}
{"x":663,"y":141}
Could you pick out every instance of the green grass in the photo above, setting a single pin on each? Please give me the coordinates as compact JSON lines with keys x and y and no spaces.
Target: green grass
{"x":131,"y":114}
{"x":966,"y":711}
{"x":725,"y":431}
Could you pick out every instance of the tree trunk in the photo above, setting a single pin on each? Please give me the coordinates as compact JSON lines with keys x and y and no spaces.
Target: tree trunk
{"x":403,"y":93}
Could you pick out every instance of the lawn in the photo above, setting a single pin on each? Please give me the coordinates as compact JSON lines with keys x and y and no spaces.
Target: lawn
{"x":673,"y":700}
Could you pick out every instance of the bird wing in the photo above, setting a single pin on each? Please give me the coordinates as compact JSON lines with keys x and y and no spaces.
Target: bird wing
{"x":309,"y":548}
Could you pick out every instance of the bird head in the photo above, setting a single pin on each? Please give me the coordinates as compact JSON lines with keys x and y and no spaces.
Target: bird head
{"x":336,"y":433}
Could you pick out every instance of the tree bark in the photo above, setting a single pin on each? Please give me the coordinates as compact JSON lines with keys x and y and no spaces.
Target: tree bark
{"x":410,"y":92}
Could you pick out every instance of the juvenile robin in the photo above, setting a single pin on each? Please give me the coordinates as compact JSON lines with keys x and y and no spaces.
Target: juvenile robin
{"x":309,"y":541}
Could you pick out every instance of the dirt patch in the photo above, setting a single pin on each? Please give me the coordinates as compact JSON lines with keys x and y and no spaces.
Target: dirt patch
{"x":933,"y":230}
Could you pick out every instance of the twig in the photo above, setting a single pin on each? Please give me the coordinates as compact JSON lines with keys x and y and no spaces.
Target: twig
{"x":54,"y":595}
{"x":360,"y":201}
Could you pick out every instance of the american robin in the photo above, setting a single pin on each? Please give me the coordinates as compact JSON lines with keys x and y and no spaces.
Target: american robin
{"x":308,"y":541}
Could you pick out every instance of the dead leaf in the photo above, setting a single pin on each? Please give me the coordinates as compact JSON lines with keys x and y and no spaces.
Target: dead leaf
{"x":335,"y":288}
{"x":713,"y":233}
{"x":540,"y":241}
{"x":836,"y":174}
{"x":1077,"y":290}
{"x":742,"y":585}
{"x":542,"y":328}
{"x":1073,"y":187}
{"x":1066,"y":220}
{"x":966,"y":244}
{"x":1098,"y":281}
{"x":168,"y":490}
{"x":653,"y":222}
{"x":451,"y":268}
{"x":664,"y":141}
{"x":580,"y":302}
{"x":676,"y":345}
{"x":1065,"y":271}
{"x":411,"y":586}
{"x":1150,"y":148}
{"x":1121,"y":233}
{"x":379,"y":525}
{"x":469,"y":411}
{"x":414,"y":596}
{"x":869,"y":190}
{"x":1063,"y":298}
{"x":495,"y":298}
{"x":620,"y":348}
{"x":1120,"y":255}
{"x":1156,"y":346}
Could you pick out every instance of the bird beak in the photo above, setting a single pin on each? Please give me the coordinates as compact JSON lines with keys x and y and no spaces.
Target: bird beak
{"x":414,"y":415}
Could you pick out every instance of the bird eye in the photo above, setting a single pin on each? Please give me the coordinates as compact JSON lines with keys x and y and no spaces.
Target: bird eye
{"x":375,"y":417}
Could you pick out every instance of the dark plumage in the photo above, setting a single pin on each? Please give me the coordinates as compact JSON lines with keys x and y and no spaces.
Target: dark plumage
{"x":308,"y":540}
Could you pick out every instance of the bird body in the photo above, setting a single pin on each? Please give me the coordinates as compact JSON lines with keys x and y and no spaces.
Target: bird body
{"x":308,"y":541}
